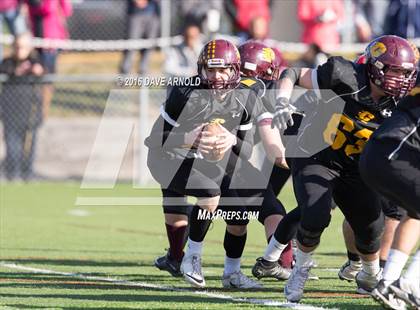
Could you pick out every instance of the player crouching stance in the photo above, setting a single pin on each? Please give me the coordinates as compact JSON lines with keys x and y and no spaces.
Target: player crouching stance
{"x":370,"y":92}
{"x":188,"y":159}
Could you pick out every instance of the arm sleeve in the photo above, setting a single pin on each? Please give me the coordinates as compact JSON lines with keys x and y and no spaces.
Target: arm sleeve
{"x":330,"y":74}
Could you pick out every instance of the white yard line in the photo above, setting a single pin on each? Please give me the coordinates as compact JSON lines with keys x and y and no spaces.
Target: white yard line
{"x":264,"y":302}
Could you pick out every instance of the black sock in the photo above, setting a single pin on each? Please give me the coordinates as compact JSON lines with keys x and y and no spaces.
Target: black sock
{"x":353,"y":256}
{"x":382,"y":263}
{"x":198,"y":228}
{"x":286,"y":229}
{"x":234,"y":245}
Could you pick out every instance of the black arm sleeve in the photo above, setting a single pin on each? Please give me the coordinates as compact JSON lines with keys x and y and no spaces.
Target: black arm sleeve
{"x":333,"y":72}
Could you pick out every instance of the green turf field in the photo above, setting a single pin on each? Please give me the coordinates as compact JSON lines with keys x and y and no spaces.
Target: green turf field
{"x":51,"y":257}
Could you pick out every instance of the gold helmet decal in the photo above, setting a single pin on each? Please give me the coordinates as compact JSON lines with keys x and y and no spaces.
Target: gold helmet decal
{"x":268,"y":54}
{"x":377,"y":49}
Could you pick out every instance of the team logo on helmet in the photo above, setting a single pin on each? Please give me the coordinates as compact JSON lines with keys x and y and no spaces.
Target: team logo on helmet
{"x":268,"y":54}
{"x":377,"y":49}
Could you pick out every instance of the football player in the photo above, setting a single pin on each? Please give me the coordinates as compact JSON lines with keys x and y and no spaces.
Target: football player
{"x":258,"y":61}
{"x":393,"y":215}
{"x":370,"y":92}
{"x":178,"y":146}
{"x":265,"y":64}
{"x":390,"y":164}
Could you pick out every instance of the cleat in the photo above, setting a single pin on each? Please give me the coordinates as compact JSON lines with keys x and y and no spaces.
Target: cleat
{"x":170,"y":265}
{"x":191,"y":269}
{"x":296,"y":283}
{"x":266,"y":269}
{"x":366,"y":282}
{"x":407,"y":291}
{"x":386,"y":298}
{"x":239,"y":280}
{"x":349,"y":270}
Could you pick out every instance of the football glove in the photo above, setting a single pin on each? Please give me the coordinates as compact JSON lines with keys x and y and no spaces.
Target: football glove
{"x":283,"y":115}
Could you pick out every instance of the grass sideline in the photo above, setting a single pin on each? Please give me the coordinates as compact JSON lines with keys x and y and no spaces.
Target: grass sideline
{"x":82,"y":247}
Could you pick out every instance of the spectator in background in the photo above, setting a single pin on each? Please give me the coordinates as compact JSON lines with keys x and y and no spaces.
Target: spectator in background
{"x":312,"y":58}
{"x":243,"y":12}
{"x":48,"y":21}
{"x":21,"y":105}
{"x":10,"y":13}
{"x":369,"y":18}
{"x":143,"y":23}
{"x":258,"y":28}
{"x":320,"y":21}
{"x":181,"y":60}
{"x":205,"y":13}
{"x":403,"y":18}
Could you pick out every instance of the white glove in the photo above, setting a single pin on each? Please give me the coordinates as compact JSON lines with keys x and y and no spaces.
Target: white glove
{"x":283,"y":114}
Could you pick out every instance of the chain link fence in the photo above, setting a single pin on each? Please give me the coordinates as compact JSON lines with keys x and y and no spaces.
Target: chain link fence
{"x":87,"y":120}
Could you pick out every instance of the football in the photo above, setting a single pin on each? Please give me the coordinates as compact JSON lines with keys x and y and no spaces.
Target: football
{"x":215,"y":130}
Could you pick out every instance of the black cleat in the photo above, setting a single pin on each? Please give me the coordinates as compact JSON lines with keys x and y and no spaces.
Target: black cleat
{"x":265,"y":269}
{"x":170,"y":265}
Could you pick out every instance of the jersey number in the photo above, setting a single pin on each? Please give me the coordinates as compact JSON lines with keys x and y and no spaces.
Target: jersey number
{"x":336,"y":137}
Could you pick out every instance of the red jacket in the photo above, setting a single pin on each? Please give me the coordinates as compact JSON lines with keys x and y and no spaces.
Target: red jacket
{"x":51,"y":16}
{"x":6,"y":5}
{"x":324,"y":34}
{"x":246,"y":10}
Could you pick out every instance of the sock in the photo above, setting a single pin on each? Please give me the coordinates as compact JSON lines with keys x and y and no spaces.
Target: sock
{"x":232,"y":265}
{"x":234,"y":245}
{"x":413,"y":271}
{"x":371,"y":267}
{"x":198,"y":228}
{"x":303,"y":259}
{"x":287,"y":228}
{"x":187,"y":230}
{"x":382,"y":263}
{"x":286,"y":257}
{"x":274,"y":250}
{"x":353,"y":256}
{"x":394,"y":266}
{"x":176,"y":241}
{"x":194,"y":247}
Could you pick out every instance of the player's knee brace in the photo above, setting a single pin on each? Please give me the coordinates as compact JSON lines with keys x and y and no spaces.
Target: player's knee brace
{"x":308,"y":238}
{"x":368,"y":237}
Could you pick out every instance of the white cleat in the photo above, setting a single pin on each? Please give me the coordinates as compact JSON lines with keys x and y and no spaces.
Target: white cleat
{"x":191,"y":270}
{"x":296,"y":283}
{"x":349,"y":270}
{"x":367,"y":282}
{"x":239,"y":280}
